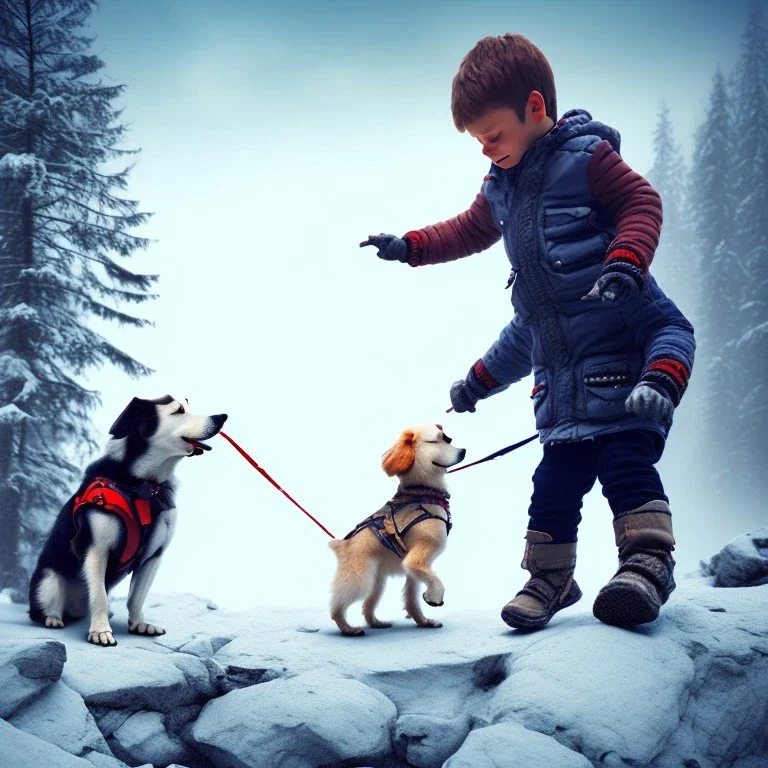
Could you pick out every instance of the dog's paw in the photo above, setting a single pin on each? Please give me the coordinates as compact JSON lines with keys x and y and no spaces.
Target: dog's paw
{"x":353,"y":632}
{"x":142,"y":628}
{"x":433,"y":602}
{"x":105,"y":638}
{"x":376,"y":624}
{"x":430,"y":624}
{"x":53,"y":622}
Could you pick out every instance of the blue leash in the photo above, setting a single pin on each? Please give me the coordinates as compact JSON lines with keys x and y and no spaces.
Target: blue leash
{"x":496,"y":455}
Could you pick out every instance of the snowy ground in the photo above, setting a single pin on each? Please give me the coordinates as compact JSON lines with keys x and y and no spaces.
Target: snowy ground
{"x":284,"y":688}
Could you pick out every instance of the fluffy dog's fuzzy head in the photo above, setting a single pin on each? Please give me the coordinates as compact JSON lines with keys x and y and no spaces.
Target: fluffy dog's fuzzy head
{"x":422,"y":454}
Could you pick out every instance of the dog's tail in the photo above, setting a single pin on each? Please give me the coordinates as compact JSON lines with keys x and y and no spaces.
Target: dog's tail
{"x":35,"y":607}
{"x":337,"y":544}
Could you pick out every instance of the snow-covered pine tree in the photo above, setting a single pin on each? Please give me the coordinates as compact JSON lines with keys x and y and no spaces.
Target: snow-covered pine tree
{"x":61,"y":229}
{"x":671,"y":265}
{"x":717,"y":275}
{"x":751,"y":247}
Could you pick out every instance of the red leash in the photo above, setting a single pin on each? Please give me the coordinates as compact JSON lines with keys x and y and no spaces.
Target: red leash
{"x":253,"y":463}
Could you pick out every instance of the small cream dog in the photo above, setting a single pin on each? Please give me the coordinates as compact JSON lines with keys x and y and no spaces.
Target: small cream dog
{"x":404,"y":536}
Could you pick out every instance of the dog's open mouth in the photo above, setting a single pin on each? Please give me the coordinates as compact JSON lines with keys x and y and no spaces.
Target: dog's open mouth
{"x":198,"y":447}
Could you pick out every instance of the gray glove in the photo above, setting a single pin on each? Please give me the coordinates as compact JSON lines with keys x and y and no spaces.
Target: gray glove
{"x":649,"y":402}
{"x":390,"y":247}
{"x":466,"y":392}
{"x":612,"y":286}
{"x":462,"y":399}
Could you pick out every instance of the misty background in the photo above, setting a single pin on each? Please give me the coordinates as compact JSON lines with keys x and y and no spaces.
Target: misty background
{"x":273,"y":140}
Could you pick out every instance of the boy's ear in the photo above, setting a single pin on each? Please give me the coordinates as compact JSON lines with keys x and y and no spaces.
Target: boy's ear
{"x":536,"y":105}
{"x":129,"y":419}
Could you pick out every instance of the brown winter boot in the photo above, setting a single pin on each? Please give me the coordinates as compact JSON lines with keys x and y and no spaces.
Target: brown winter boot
{"x":551,"y":586}
{"x":644,"y":580}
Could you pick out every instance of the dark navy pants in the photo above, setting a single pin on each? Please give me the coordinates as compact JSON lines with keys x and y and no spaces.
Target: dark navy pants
{"x":623,"y":462}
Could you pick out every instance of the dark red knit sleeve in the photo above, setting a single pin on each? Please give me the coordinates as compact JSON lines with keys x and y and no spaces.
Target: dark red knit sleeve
{"x":632,"y":203}
{"x":465,"y":234}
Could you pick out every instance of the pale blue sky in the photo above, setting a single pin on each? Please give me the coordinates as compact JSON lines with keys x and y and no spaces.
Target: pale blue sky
{"x":273,"y":141}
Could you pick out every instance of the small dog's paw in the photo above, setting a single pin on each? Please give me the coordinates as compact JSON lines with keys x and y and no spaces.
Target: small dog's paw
{"x":53,"y":622}
{"x":353,"y":632}
{"x":380,"y":624}
{"x":142,"y":628}
{"x":434,"y":603}
{"x":105,"y":638}
{"x":430,"y":624}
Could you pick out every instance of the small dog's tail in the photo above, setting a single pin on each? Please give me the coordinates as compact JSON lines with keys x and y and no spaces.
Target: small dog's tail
{"x":336,"y":545}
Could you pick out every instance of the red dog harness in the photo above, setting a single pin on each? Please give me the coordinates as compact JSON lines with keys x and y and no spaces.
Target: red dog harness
{"x":129,"y":504}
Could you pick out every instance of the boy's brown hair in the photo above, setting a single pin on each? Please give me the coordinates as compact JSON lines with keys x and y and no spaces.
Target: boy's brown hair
{"x":501,"y":72}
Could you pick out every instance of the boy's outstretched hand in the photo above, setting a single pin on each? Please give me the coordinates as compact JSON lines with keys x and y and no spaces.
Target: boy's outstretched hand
{"x":646,"y":401}
{"x":462,"y":399}
{"x":390,"y":247}
{"x":477,"y":386}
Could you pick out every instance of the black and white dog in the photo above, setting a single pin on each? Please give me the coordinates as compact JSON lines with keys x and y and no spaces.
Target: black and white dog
{"x":120,"y":520}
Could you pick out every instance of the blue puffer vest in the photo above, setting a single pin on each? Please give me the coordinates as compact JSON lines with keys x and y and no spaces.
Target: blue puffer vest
{"x":586,"y":356}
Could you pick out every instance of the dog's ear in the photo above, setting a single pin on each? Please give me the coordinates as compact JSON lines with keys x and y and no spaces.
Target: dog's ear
{"x":400,"y":457}
{"x":131,"y":417}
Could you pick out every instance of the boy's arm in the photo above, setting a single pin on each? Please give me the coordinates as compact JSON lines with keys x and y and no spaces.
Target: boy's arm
{"x":669,"y":344}
{"x":507,"y":361}
{"x":472,"y":231}
{"x":635,"y":207}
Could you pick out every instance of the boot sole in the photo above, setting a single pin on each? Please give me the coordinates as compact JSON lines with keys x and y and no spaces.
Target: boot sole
{"x":517,"y":621}
{"x":623,"y":606}
{"x":527,"y":623}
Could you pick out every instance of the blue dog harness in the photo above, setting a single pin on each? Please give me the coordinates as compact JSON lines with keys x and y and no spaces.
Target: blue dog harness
{"x":383,"y":524}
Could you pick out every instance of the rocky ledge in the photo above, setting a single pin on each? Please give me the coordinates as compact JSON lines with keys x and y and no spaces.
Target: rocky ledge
{"x":283,"y":688}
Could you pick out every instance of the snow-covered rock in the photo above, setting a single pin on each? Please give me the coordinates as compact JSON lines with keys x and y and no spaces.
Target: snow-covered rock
{"x":427,"y":741}
{"x":743,"y":562}
{"x":308,"y":720}
{"x":141,"y":678}
{"x":143,"y":738}
{"x":647,"y":675}
{"x":284,"y":688}
{"x":509,"y":745}
{"x":19,"y":749}
{"x":59,"y":716}
{"x":27,"y":667}
{"x":100,"y":760}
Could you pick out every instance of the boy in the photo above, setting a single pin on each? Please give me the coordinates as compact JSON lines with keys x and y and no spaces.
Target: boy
{"x":610,"y":353}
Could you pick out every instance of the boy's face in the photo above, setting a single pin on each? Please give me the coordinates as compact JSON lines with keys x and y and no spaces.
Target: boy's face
{"x":504,"y":138}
